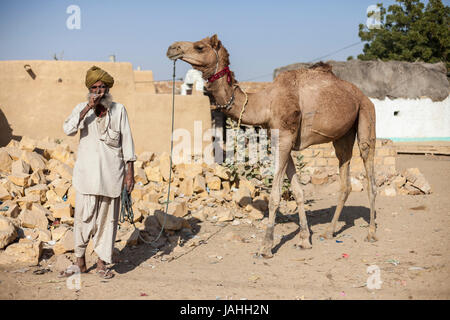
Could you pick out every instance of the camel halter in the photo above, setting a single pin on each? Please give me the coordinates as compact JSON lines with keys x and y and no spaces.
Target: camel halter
{"x":220,"y":74}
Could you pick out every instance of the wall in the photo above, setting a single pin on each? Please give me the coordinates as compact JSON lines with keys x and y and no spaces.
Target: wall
{"x":415,"y":118}
{"x":143,"y":80}
{"x":38,"y":107}
{"x":324,"y":156}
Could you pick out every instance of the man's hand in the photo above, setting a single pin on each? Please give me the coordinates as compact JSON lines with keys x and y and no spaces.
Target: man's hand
{"x":129,"y":177}
{"x":94,"y":99}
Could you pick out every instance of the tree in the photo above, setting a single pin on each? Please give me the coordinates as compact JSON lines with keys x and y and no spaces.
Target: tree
{"x":409,"y":31}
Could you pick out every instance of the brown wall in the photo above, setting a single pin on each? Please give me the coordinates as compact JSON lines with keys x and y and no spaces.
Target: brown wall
{"x":37,"y":107}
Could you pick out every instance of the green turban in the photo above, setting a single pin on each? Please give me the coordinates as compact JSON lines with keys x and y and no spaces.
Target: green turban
{"x":95,"y":74}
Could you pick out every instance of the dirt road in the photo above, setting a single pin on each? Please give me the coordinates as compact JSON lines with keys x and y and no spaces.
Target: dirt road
{"x":412,"y":255}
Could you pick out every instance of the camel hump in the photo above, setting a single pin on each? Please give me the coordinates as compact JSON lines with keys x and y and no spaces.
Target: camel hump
{"x":322,"y":66}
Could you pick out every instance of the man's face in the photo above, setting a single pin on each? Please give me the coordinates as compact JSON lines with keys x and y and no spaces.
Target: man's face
{"x":99,"y":88}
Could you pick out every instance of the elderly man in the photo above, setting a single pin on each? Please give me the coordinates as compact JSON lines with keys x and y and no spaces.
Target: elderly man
{"x":103,"y":167}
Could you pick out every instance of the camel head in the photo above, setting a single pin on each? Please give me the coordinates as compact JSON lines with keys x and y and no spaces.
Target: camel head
{"x":206,"y":55}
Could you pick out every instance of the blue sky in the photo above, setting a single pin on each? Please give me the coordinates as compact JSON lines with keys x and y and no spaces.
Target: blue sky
{"x":259,"y":35}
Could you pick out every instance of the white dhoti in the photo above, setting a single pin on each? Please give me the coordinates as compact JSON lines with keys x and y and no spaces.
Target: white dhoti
{"x":96,"y":217}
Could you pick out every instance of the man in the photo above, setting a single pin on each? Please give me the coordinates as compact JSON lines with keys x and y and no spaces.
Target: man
{"x":105,"y":152}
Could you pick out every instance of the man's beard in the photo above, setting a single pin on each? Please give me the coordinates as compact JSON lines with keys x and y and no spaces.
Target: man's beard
{"x":105,"y":101}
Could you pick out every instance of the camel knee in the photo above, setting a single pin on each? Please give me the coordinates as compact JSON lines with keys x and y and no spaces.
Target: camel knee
{"x":364,"y":149}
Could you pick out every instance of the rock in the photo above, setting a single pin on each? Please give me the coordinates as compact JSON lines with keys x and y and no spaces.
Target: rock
{"x":25,"y":252}
{"x":356,"y":184}
{"x":40,"y":208}
{"x":52,"y":197}
{"x":389,"y":191}
{"x":62,"y":154}
{"x":319,"y":177}
{"x":224,"y":215}
{"x":19,"y":167}
{"x":248,"y":184}
{"x":14,"y":152}
{"x":213,"y":183}
{"x":399,"y":181}
{"x":27,"y":201}
{"x":14,"y":190}
{"x":140,"y":176}
{"x":8,"y":232}
{"x":222,"y":172}
{"x":39,"y":190}
{"x":411,"y":189}
{"x":64,"y":170}
{"x":152,"y":196}
{"x":255,"y":215}
{"x":20,"y":179}
{"x":13,"y":209}
{"x":199,"y":184}
{"x":4,"y":194}
{"x":187,"y":186}
{"x":417,"y":179}
{"x":242,"y":196}
{"x":33,"y":219}
{"x":61,"y":263}
{"x":44,"y":235}
{"x":34,"y":160}
{"x":146,"y":157}
{"x":153,"y":174}
{"x":5,"y":161}
{"x":65,"y":244}
{"x":291,"y":206}
{"x":305,"y":178}
{"x":171,"y":222}
{"x":59,"y":232}
{"x":164,"y":166}
{"x":62,"y":210}
{"x":71,"y":196}
{"x":199,"y":215}
{"x":138,"y":192}
{"x":27,"y":143}
{"x":177,"y":208}
{"x":189,"y":170}
{"x":38,"y":177}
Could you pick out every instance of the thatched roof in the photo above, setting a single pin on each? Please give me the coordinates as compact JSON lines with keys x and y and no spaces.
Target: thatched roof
{"x":393,"y":79}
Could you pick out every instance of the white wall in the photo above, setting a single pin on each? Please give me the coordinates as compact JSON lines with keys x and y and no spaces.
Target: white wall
{"x":416,"y":118}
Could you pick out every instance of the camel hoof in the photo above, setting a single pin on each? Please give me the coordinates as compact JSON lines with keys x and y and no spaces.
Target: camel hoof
{"x":264,"y":253}
{"x":327,"y":235}
{"x":304,"y":244}
{"x":371,"y":238}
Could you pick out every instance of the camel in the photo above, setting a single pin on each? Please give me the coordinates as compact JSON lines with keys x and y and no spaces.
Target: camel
{"x":308,"y":107}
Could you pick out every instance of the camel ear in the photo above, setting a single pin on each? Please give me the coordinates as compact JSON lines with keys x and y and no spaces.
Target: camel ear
{"x":215,"y":42}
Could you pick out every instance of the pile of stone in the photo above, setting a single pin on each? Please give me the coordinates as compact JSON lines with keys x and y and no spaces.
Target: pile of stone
{"x":37,"y":199}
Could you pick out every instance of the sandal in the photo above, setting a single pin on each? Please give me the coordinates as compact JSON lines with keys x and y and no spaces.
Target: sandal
{"x":105,"y":273}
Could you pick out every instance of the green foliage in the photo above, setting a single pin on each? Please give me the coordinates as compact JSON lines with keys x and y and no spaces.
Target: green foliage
{"x":410,"y":31}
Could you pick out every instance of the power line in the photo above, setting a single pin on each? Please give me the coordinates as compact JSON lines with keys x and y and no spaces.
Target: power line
{"x":319,"y":58}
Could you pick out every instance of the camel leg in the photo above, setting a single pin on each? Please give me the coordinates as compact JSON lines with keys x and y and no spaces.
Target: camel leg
{"x":292,"y":174}
{"x":366,"y":142}
{"x":274,"y":199}
{"x":367,"y":154}
{"x":343,"y":148}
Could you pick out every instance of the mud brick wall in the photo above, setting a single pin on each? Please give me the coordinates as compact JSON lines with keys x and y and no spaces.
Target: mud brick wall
{"x":323,"y":156}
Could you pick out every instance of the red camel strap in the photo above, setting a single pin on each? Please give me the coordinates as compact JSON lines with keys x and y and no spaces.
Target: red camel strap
{"x":220,"y":74}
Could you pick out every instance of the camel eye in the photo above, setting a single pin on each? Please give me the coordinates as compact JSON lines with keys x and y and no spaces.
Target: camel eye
{"x":199,"y":47}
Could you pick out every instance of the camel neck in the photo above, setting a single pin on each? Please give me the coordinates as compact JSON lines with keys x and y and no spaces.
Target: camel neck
{"x":254,"y":112}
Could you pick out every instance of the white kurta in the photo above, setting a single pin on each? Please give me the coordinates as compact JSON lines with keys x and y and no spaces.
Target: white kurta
{"x":106,"y":144}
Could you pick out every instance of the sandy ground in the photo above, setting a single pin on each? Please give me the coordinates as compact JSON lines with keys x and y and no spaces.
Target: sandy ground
{"x":412,"y":255}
